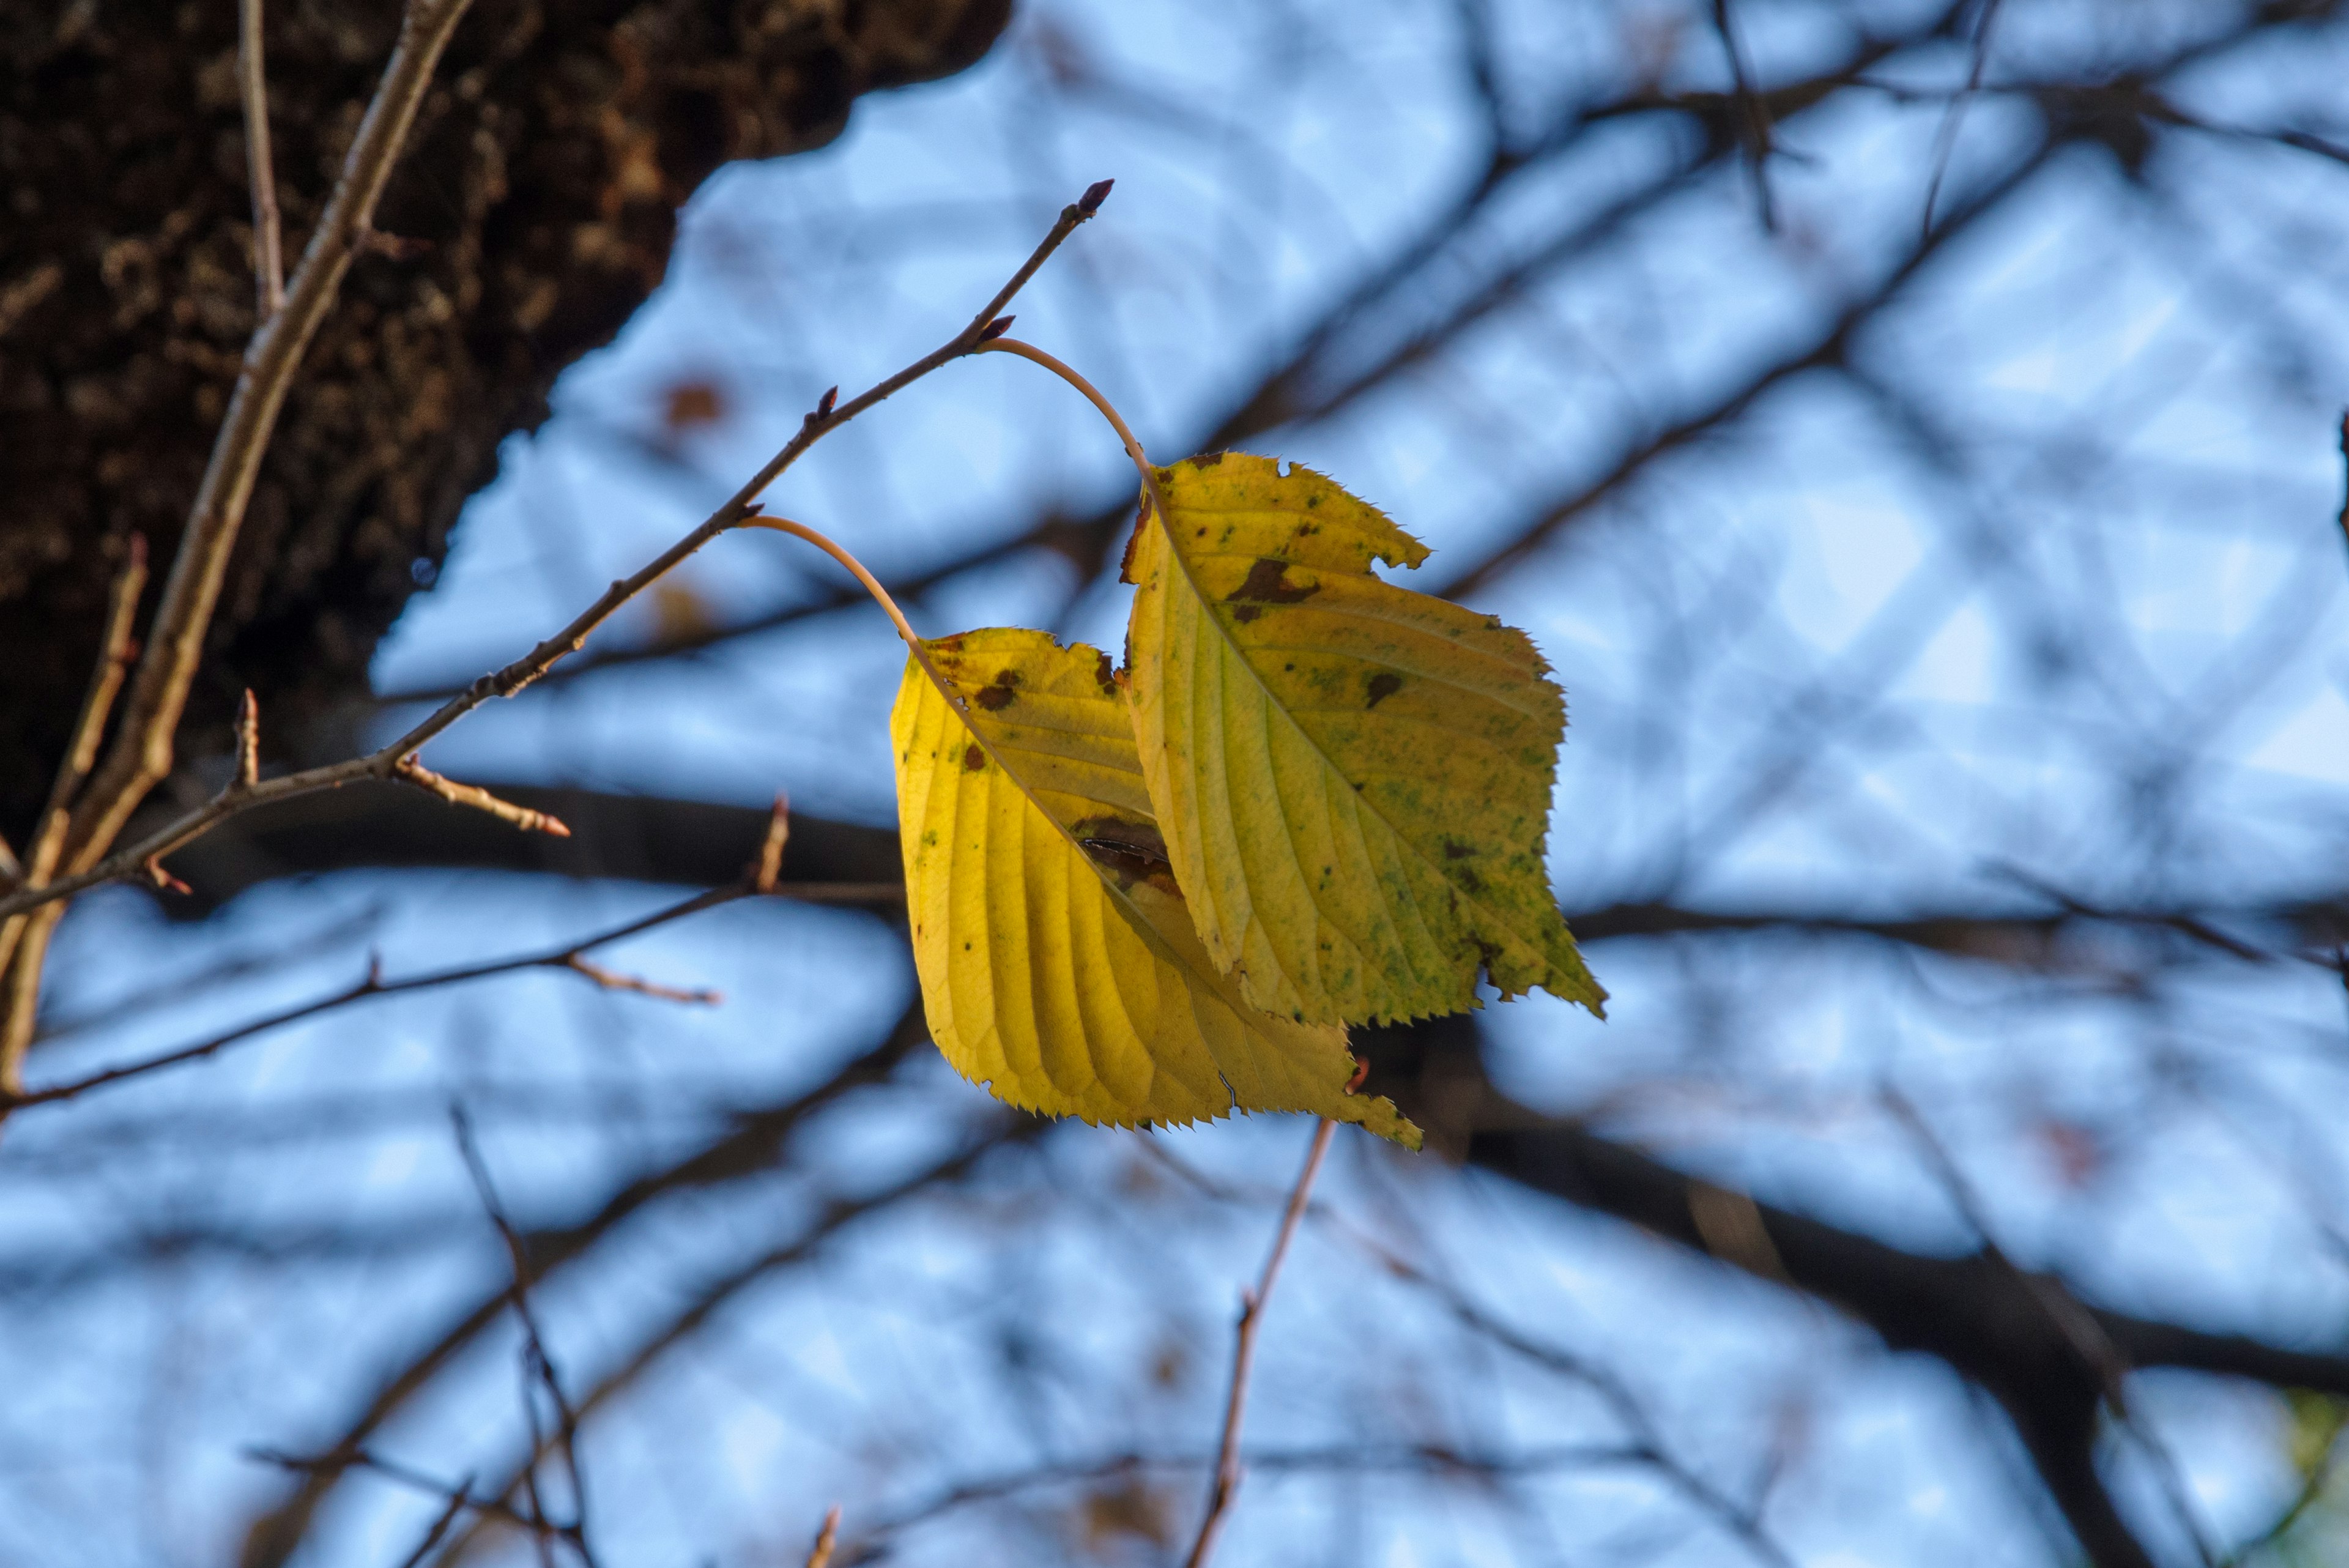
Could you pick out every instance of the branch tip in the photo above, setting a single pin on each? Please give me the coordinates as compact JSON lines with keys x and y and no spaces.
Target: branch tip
{"x":825,"y":404}
{"x":1096,"y":195}
{"x":820,"y":1554}
{"x":769,"y":866}
{"x":996,"y":328}
{"x":409,"y":770}
{"x":248,"y":741}
{"x":613,"y":979}
{"x":163,"y":880}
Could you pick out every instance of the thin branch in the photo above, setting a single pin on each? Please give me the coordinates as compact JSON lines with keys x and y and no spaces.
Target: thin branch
{"x":1756,"y":114}
{"x":268,"y":260}
{"x":25,"y":940}
{"x":1946,"y":139}
{"x":116,"y":649}
{"x":767,"y":869}
{"x":820,"y":1554}
{"x":407,"y":770}
{"x":755,"y":1140}
{"x":458,"y":1503}
{"x":569,"y":957}
{"x":834,"y":1215}
{"x":611,"y":979}
{"x":1227,"y":1484}
{"x":2344,"y":459}
{"x":461,"y":1498}
{"x":396,"y":760}
{"x":1646,"y":1446}
{"x":248,"y":741}
{"x":2080,"y":1329}
{"x":142,"y":753}
{"x":538,"y":1366}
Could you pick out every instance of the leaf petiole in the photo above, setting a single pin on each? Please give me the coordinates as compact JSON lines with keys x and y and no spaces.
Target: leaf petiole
{"x":1068,"y":373}
{"x":872,"y":584}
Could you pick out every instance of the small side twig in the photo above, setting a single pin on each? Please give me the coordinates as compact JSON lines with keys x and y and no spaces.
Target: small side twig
{"x":248,"y":741}
{"x":1226,"y":1483}
{"x":612,"y":979}
{"x":409,"y":770}
{"x":820,"y":1554}
{"x":768,"y":867}
{"x":268,"y":260}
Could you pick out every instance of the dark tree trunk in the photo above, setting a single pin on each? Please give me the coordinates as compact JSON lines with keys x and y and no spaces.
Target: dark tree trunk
{"x":532,"y":213}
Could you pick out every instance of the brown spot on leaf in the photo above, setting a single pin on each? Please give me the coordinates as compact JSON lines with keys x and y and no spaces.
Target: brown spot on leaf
{"x":975,"y":759}
{"x":1208,"y":460}
{"x":1247,"y":613}
{"x":996,"y":697}
{"x":1455,"y":850}
{"x":1125,"y":562}
{"x":1383,"y":685}
{"x":1267,"y":583}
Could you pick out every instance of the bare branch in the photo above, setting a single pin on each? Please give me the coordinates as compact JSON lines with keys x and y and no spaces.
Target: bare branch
{"x":1756,"y":113}
{"x":1945,"y":140}
{"x":268,"y":261}
{"x":25,"y":940}
{"x":407,"y":770}
{"x":568,"y":958}
{"x":1227,"y":1484}
{"x":538,"y":1366}
{"x":142,"y":751}
{"x":458,"y":1503}
{"x":396,"y":758}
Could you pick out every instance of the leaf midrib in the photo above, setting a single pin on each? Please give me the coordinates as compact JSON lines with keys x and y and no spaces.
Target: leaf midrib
{"x":1239,"y":654}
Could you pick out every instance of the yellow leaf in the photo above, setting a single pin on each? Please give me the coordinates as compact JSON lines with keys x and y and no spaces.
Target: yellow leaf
{"x":1353,"y":778}
{"x":1059,"y":965}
